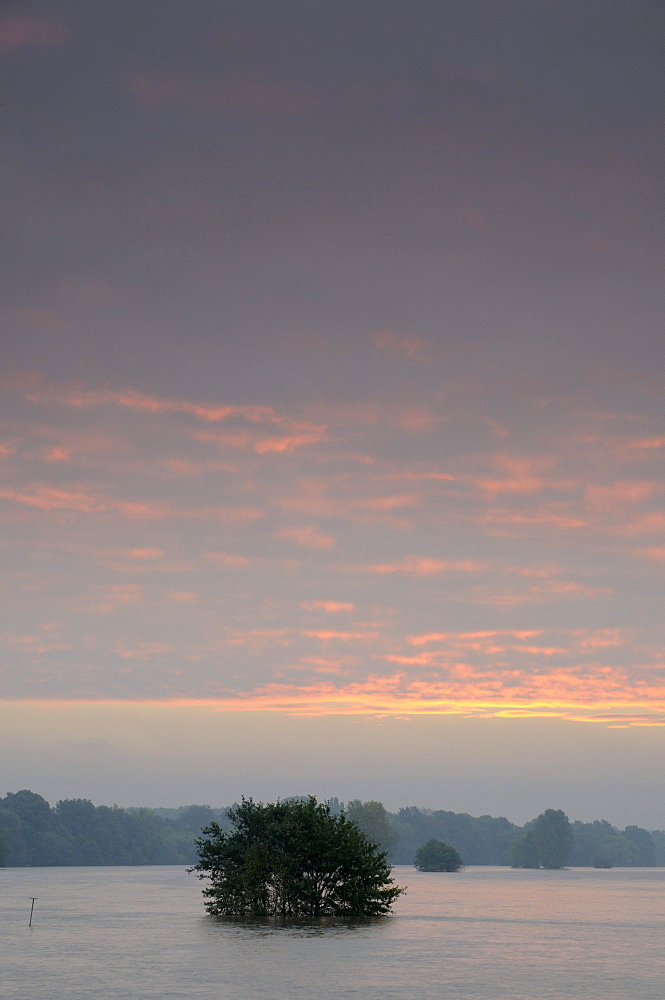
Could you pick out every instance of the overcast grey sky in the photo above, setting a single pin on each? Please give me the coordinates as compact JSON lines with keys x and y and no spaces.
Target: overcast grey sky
{"x":331,"y":439}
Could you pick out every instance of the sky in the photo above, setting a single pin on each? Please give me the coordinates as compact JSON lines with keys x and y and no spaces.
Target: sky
{"x":331,"y":403}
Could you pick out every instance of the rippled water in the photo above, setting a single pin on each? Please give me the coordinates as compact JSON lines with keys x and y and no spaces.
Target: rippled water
{"x":482,"y":934}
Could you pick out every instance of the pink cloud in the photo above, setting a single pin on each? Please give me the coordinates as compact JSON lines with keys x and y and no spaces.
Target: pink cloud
{"x":542,"y":650}
{"x":538,"y":593}
{"x":387,"y":503}
{"x":524,"y":476}
{"x":48,"y":498}
{"x":653,"y":552}
{"x":262,"y":638}
{"x":602,"y":639}
{"x":424,"y":659}
{"x":67,"y":444}
{"x":608,"y":498}
{"x":331,"y":634}
{"x":228,"y":559}
{"x":33,"y":643}
{"x":15,"y":32}
{"x":330,"y":607}
{"x":414,"y":419}
{"x":254,"y":439}
{"x":307,"y":537}
{"x":421,"y":566}
{"x":310,"y":497}
{"x":370,"y":413}
{"x":497,"y":653}
{"x":515,"y":484}
{"x":648,"y":443}
{"x":313,"y":436}
{"x":144,"y":650}
{"x":419,"y":640}
{"x":569,"y":587}
{"x":118,"y":595}
{"x":241,"y":438}
{"x":295,"y":433}
{"x":648,"y":524}
{"x":549,"y":581}
{"x":326,"y":665}
{"x":425,"y":475}
{"x":58,"y":455}
{"x":39,"y":391}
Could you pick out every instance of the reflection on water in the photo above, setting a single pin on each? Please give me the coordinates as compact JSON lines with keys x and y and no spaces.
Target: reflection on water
{"x":299,"y":927}
{"x":481,"y":934}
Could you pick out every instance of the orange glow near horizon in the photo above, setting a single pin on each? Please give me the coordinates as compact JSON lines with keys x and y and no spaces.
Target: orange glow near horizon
{"x":356,"y":700}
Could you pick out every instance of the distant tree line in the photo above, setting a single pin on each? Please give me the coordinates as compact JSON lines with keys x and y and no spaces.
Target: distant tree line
{"x":480,"y":840}
{"x":76,"y":832}
{"x":601,"y":845}
{"x":545,"y":842}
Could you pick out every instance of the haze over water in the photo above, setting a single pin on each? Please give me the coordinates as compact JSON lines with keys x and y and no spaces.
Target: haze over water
{"x":482,"y":934}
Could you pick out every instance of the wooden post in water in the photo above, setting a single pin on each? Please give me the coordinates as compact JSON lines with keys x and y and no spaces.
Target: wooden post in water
{"x":33,"y":898}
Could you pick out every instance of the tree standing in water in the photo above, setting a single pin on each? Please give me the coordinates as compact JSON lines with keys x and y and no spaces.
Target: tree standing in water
{"x":437,"y":856}
{"x":293,"y":859}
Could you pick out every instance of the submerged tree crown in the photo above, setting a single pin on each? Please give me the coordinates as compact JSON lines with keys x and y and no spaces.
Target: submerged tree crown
{"x":292,"y":859}
{"x":437,"y":856}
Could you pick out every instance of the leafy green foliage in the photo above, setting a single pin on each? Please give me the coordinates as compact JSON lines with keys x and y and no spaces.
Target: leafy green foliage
{"x":599,"y":844}
{"x":31,"y":827}
{"x":546,"y":843}
{"x":293,"y":859}
{"x":481,"y":840}
{"x":76,"y":832}
{"x":437,"y":856}
{"x":658,"y":840}
{"x":523,"y":851}
{"x":4,"y":849}
{"x":553,"y":838}
{"x":645,"y":856}
{"x":373,"y":820}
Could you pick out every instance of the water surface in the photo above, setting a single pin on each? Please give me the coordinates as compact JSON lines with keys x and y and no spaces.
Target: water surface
{"x":481,"y":934}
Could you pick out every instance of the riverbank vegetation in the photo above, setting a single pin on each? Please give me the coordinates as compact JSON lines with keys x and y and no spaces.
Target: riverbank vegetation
{"x":76,"y":832}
